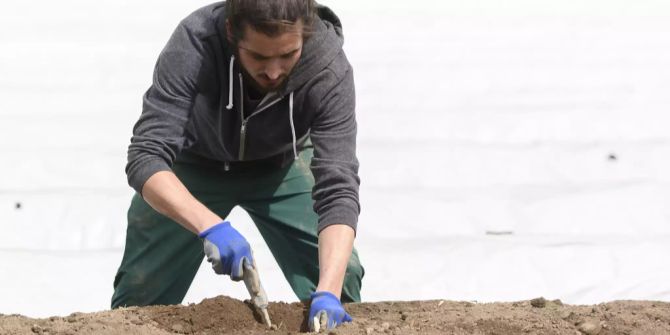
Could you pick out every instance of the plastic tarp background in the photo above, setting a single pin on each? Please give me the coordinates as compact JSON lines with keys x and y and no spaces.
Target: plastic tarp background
{"x":508,"y":150}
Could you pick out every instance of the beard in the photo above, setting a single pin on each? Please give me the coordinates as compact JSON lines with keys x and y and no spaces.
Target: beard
{"x":251,"y":81}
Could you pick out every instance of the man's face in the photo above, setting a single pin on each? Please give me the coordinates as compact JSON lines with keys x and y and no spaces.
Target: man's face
{"x":269,"y":60}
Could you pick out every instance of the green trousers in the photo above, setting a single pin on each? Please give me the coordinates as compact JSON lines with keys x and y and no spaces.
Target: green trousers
{"x":161,"y":257}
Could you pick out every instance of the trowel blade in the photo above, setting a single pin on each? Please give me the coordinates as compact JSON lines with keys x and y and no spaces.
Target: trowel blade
{"x":258,"y":296}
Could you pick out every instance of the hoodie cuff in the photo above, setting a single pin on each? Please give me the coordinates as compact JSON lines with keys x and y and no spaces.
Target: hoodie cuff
{"x":343,"y":212}
{"x":139,"y":175}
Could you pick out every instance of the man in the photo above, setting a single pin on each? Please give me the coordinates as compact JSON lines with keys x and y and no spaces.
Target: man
{"x":252,"y":105}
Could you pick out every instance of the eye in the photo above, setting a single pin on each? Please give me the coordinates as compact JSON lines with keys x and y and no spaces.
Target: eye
{"x":259,"y":57}
{"x":289,"y":55}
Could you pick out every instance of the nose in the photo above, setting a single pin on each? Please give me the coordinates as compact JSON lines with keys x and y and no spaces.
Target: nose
{"x":273,"y":70}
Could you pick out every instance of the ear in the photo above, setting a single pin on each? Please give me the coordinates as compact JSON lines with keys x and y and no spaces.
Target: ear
{"x":229,"y":34}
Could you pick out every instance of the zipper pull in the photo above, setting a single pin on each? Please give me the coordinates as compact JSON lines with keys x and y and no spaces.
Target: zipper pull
{"x":243,"y":138}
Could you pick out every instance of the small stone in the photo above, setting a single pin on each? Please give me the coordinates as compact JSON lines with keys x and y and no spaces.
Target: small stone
{"x":274,"y":327}
{"x":386,"y":326}
{"x":590,"y":328}
{"x":538,"y":302}
{"x":557,"y":302}
{"x":177,"y":328}
{"x":369,"y":330}
{"x":403,"y":316}
{"x":440,"y":303}
{"x":566,"y":315}
{"x":36,"y":329}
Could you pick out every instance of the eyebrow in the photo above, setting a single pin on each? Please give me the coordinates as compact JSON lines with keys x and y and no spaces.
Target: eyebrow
{"x":256,"y":54}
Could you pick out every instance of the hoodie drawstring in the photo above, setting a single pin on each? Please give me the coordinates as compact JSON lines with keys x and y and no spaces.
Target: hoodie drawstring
{"x":230,"y":83}
{"x":290,"y":113}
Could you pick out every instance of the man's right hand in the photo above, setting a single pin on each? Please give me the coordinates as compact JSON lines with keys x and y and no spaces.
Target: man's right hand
{"x":226,"y":249}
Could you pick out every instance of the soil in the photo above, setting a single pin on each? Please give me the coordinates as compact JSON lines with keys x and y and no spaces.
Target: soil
{"x":223,"y":315}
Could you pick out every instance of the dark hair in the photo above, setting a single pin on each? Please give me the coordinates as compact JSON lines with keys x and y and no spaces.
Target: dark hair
{"x":271,"y":17}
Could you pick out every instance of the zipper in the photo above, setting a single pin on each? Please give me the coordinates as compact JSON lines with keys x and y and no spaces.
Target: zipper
{"x":243,"y":128}
{"x":243,"y":137}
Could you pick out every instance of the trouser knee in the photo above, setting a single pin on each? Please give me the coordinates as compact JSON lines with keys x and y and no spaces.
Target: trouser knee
{"x":130,"y":290}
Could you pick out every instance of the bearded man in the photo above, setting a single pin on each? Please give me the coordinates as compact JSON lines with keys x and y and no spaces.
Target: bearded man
{"x":252,"y":105}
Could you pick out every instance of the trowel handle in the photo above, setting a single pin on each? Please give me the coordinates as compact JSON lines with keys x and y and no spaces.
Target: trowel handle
{"x":251,"y":279}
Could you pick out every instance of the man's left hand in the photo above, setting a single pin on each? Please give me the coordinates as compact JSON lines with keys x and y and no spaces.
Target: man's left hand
{"x":326,"y":312}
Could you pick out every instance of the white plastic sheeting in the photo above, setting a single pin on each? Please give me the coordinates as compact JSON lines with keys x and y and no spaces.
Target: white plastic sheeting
{"x":542,"y":121}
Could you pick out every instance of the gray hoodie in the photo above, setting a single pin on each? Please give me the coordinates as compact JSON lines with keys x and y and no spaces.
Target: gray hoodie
{"x":194,"y":107}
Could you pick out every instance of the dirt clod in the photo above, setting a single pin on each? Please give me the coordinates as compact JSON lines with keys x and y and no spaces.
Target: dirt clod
{"x":36,"y":329}
{"x":538,"y":302}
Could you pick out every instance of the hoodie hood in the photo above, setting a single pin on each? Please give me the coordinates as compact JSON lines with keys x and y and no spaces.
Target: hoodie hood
{"x":323,"y":44}
{"x":320,"y":48}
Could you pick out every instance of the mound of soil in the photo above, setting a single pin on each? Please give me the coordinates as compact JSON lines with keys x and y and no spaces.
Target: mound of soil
{"x":223,"y":315}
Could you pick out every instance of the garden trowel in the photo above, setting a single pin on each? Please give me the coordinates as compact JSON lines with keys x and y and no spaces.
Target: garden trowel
{"x":258,"y":296}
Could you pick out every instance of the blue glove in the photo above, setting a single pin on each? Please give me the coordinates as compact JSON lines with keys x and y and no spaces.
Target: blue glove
{"x":226,"y":249}
{"x":326,"y":312}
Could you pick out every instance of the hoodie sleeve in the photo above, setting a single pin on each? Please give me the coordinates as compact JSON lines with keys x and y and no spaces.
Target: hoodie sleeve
{"x":158,"y":136}
{"x":335,"y":166}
